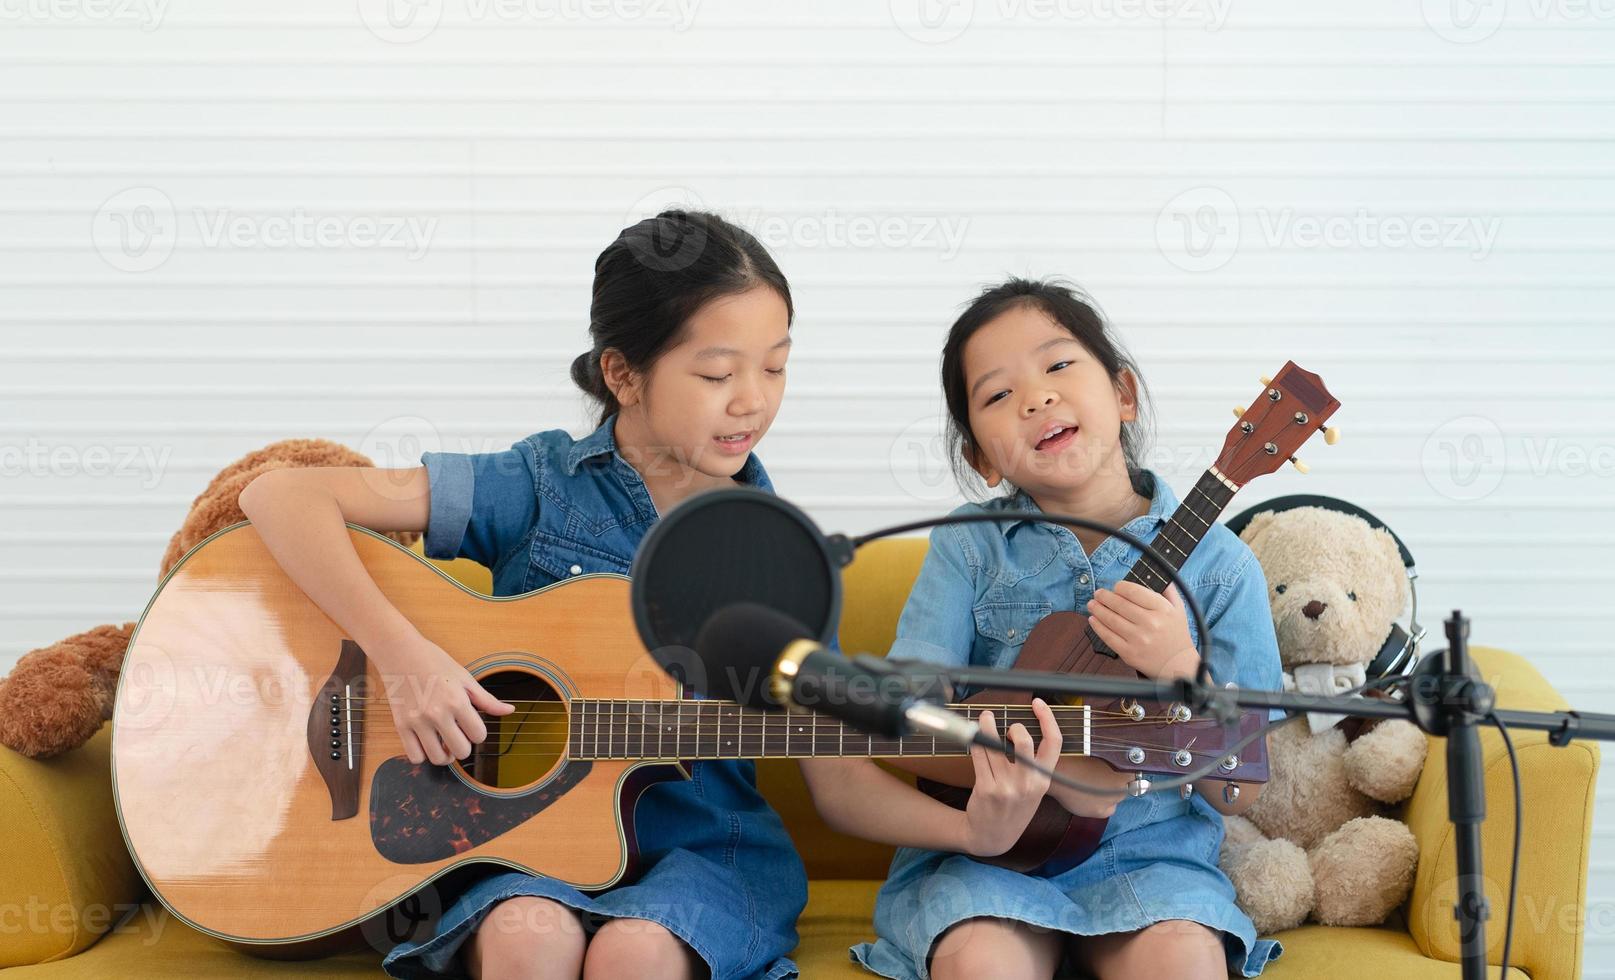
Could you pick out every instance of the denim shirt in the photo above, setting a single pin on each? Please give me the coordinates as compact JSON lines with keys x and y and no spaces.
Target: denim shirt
{"x":984,"y":586}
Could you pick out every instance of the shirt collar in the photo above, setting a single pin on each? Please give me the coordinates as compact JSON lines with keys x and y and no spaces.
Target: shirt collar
{"x":1163,"y":504}
{"x":603,"y":441}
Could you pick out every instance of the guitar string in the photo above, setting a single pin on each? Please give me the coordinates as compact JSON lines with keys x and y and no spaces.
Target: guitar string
{"x":555,"y":745}
{"x":550,"y":706}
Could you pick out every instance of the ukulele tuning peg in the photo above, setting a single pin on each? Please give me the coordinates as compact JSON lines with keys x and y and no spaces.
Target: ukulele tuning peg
{"x":1331,"y":435}
{"x":1267,"y":382}
{"x":1239,"y":411}
{"x":1300,"y":466}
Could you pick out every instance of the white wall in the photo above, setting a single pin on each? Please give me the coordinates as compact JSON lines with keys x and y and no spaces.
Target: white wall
{"x":155,"y":326}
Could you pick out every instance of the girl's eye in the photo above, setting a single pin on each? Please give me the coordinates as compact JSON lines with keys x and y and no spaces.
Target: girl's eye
{"x":1057,"y":365}
{"x":776,"y":371}
{"x":711,"y":378}
{"x":1279,"y":589}
{"x":995,"y":397}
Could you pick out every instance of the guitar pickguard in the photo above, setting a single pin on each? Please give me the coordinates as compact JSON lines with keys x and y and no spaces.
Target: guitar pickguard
{"x":423,"y":813}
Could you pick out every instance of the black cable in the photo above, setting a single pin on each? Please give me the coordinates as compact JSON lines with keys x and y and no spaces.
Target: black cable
{"x":1514,"y":866}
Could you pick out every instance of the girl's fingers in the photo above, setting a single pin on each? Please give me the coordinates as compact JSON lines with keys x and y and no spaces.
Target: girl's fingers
{"x":990,"y":726}
{"x":1048,"y":750}
{"x":1111,"y":627}
{"x":1121,"y":607}
{"x":432,"y":745}
{"x":1142,"y":596}
{"x":469,"y":722}
{"x":455,"y":741}
{"x":412,"y":747}
{"x":483,"y":701}
{"x":984,"y":769}
{"x":1021,"y":740}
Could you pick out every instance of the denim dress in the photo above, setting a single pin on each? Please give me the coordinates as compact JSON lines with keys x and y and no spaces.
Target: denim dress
{"x":981,"y":590}
{"x":720,"y":872}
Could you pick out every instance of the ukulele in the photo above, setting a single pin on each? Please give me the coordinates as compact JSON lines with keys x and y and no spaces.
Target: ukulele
{"x":1152,"y":738}
{"x":263,"y":791}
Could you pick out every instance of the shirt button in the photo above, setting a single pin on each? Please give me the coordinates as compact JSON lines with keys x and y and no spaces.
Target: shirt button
{"x":1012,"y":634}
{"x":577,"y":569}
{"x":1083,"y":578}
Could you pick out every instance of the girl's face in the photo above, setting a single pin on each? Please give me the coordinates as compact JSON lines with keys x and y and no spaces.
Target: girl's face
{"x":1043,"y":411}
{"x":706,"y":402}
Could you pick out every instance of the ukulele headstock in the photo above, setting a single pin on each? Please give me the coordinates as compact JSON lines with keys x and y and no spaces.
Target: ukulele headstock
{"x":1166,"y":743}
{"x":1292,"y":406}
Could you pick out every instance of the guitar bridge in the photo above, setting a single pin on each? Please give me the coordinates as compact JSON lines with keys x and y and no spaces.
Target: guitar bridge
{"x":332,"y":730}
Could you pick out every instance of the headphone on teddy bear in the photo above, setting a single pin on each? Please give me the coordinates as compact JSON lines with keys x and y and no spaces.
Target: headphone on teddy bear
{"x":1400,"y":651}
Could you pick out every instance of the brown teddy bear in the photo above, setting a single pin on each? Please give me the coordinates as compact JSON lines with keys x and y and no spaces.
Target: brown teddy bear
{"x":1316,"y":842}
{"x":58,"y":696}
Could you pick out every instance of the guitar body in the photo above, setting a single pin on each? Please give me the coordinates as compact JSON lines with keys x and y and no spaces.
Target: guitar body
{"x":247,"y":828}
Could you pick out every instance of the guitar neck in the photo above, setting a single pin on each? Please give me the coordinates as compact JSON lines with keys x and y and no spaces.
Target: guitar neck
{"x":695,"y":729}
{"x":1184,"y":529}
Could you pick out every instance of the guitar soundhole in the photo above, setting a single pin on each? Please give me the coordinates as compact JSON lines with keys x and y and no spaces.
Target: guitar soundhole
{"x":525,"y":745}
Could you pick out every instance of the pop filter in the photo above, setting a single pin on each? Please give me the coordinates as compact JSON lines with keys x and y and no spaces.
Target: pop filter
{"x":724,"y":547}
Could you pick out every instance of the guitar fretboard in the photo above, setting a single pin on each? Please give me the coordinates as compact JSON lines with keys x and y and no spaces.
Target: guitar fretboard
{"x":694,"y":729}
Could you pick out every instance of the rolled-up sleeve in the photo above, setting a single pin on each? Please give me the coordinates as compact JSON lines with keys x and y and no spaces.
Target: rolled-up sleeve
{"x":938,"y":624}
{"x":1244,"y":645}
{"x":482,"y":504}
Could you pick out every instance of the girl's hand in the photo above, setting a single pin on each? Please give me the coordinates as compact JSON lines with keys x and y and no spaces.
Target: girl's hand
{"x":1095,"y":772}
{"x":434,"y":702}
{"x":1006,"y":794}
{"x":1148,"y":630}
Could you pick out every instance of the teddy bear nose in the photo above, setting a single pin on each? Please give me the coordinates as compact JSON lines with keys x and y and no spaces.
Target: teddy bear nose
{"x":1313,"y":609}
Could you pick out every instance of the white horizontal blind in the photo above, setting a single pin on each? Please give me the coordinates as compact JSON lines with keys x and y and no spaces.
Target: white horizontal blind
{"x":228,"y":224}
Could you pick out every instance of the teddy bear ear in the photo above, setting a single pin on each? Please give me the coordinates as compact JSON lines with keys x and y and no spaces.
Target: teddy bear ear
{"x":1256,"y":524}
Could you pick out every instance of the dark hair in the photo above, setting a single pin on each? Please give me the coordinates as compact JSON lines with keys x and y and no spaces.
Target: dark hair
{"x":652,"y":279}
{"x":1077,"y":313}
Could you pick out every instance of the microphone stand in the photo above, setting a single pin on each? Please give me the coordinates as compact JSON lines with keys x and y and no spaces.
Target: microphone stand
{"x":1447,"y":699}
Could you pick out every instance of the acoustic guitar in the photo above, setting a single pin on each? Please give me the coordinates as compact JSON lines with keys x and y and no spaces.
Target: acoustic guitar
{"x":1292,"y":406}
{"x":262,"y":788}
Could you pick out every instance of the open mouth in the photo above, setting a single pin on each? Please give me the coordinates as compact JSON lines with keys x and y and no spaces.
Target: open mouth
{"x":1056,"y":437}
{"x":735,"y":442}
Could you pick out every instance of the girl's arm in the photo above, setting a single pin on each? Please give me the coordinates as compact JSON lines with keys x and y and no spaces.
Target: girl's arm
{"x":855,"y":796}
{"x":300,"y":515}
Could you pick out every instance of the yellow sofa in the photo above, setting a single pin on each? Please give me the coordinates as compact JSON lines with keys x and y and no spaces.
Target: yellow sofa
{"x":73,"y":906}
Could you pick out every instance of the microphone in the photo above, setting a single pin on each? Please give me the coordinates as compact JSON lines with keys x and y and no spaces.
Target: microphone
{"x":725,"y":547}
{"x":743,"y":640}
